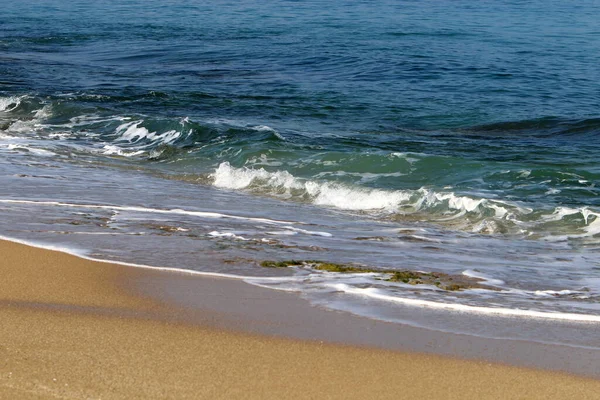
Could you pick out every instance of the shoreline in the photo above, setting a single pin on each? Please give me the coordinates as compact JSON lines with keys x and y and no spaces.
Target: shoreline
{"x":194,"y":293}
{"x":79,"y":328}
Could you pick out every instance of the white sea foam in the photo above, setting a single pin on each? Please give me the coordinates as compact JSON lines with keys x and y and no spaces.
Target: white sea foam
{"x":22,"y":126}
{"x":409,"y":157}
{"x":111,"y":149}
{"x":425,"y":239}
{"x":265,"y":128}
{"x":60,"y":135}
{"x":282,"y":233}
{"x":83,"y":254}
{"x":229,"y":177}
{"x":31,"y":150}
{"x":524,"y":173}
{"x":486,"y":278}
{"x":464,"y":204}
{"x":485,"y":215}
{"x":134,"y":139}
{"x":7,"y":137}
{"x":82,"y":120}
{"x":243,"y":124}
{"x":228,"y":235}
{"x":200,"y":214}
{"x":43,"y":113}
{"x":10,"y":103}
{"x":590,"y":218}
{"x":34,"y":124}
{"x":133,"y":132}
{"x":312,"y":233}
{"x":348,"y":197}
{"x":321,"y":193}
{"x":554,"y":293}
{"x":378,"y":294}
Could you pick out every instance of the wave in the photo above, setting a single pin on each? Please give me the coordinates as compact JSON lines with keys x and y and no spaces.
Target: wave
{"x":159,"y":139}
{"x":284,"y":184}
{"x":464,"y":212}
{"x":100,"y":131}
{"x":133,"y":139}
{"x":378,"y":175}
{"x":10,"y":103}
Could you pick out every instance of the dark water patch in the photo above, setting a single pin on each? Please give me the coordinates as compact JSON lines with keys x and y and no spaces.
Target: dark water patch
{"x":542,"y":127}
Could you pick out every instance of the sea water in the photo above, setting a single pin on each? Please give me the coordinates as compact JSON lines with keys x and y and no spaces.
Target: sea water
{"x":438,"y":136}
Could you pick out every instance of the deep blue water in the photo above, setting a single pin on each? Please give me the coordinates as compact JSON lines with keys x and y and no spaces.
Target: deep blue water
{"x":382,"y":66}
{"x":470,"y":125}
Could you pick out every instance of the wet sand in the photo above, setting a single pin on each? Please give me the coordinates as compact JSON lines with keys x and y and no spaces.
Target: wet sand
{"x":73,"y":328}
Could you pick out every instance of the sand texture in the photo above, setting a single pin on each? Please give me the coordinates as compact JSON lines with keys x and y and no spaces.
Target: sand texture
{"x":70,"y":328}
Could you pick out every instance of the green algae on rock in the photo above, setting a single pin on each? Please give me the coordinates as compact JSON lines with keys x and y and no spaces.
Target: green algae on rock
{"x":441,"y":280}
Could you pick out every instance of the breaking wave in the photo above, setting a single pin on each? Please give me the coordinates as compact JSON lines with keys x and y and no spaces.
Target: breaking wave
{"x":9,"y":103}
{"x":464,"y":212}
{"x":532,"y":200}
{"x":101,"y":131}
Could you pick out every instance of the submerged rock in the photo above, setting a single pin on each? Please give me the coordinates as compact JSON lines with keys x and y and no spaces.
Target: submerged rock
{"x":441,"y":280}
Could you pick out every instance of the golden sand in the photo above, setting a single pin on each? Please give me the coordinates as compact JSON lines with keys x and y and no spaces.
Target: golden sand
{"x":69,"y":328}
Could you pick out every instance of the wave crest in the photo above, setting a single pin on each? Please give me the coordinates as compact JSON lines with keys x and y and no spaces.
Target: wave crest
{"x":10,"y":103}
{"x":463,"y":212}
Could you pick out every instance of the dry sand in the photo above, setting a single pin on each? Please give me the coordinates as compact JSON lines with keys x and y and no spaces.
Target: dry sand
{"x":70,"y":328}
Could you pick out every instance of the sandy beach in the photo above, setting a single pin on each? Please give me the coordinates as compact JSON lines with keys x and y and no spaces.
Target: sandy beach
{"x":299,"y":200}
{"x":73,"y":328}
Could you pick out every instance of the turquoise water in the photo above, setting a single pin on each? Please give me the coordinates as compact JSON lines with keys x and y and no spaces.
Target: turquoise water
{"x":430,"y":135}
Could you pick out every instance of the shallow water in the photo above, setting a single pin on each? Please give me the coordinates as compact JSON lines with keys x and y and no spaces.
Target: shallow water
{"x":429,"y":136}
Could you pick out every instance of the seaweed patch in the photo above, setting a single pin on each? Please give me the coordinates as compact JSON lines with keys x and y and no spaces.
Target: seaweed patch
{"x":441,"y":280}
